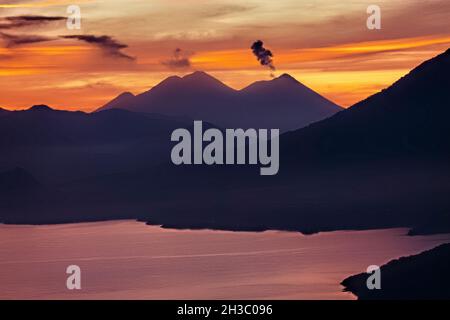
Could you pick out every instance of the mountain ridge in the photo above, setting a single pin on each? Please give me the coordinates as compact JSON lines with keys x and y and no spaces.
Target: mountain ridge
{"x":407,"y":117}
{"x":282,"y":102}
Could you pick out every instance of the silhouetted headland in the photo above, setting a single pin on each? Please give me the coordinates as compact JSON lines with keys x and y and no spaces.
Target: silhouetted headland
{"x":418,"y":277}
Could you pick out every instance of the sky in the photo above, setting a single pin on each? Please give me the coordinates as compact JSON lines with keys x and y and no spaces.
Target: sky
{"x":132,"y":45}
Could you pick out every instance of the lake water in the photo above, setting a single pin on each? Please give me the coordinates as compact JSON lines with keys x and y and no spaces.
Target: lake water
{"x":130,"y":260}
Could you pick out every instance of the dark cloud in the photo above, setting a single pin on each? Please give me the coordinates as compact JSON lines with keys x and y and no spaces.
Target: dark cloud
{"x":16,"y":40}
{"x":107,"y":44}
{"x":15,"y":22}
{"x":263,"y":55}
{"x":179,"y":60}
{"x":11,"y":23}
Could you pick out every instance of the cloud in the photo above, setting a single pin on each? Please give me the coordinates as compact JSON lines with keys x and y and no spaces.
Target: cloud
{"x":179,"y":60}
{"x":16,"y":40}
{"x":263,"y":55}
{"x":14,"y":22}
{"x":11,"y":23}
{"x":216,"y":11}
{"x":107,"y":44}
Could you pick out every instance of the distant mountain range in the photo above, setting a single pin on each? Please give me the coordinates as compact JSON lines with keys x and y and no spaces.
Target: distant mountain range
{"x":57,"y":146}
{"x":384,"y":162}
{"x":282,"y":103}
{"x":43,"y":126}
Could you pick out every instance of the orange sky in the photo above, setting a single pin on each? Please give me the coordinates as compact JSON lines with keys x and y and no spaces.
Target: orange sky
{"x":323,"y":43}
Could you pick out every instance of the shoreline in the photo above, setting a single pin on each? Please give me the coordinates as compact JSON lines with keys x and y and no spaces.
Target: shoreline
{"x":200,"y":227}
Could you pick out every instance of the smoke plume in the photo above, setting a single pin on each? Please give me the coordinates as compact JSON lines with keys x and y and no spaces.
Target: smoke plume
{"x":263,"y":55}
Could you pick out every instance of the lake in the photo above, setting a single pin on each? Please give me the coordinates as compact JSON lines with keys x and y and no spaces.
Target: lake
{"x":131,"y":260}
